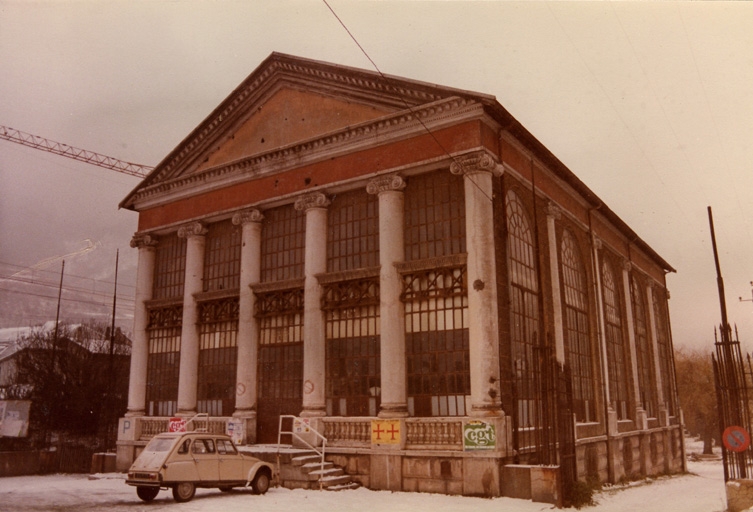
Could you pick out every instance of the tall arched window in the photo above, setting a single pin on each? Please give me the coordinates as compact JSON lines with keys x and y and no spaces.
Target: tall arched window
{"x":615,"y":342}
{"x":577,"y":336}
{"x":524,"y":306}
{"x":643,"y":350}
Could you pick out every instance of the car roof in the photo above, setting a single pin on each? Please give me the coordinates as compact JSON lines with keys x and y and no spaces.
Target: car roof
{"x":169,"y":435}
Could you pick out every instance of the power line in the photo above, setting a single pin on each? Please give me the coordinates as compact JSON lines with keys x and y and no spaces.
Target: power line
{"x":76,"y":300}
{"x":407,"y":106}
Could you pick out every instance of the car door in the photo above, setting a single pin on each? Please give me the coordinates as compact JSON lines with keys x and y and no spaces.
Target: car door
{"x":204,"y":453}
{"x":231,"y":462}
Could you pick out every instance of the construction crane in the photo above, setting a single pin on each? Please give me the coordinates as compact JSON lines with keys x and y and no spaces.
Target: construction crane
{"x":82,"y":155}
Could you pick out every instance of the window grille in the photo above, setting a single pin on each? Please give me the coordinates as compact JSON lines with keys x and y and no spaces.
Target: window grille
{"x":434,"y":216}
{"x":643,"y":351}
{"x":353,"y":231}
{"x":283,"y":244}
{"x":222,"y":256}
{"x":353,"y":373}
{"x":169,"y":267}
{"x":616,"y":359}
{"x":218,"y":356}
{"x":524,"y":308}
{"x":163,"y":361}
{"x":577,"y":332}
{"x":436,"y":323}
{"x":280,"y":367}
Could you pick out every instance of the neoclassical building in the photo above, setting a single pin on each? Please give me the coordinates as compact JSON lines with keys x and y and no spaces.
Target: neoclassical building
{"x":379,"y":254}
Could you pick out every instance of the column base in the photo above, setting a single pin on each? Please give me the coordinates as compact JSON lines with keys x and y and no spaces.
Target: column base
{"x":486,"y":411}
{"x":312,"y":412}
{"x":396,"y":411}
{"x":133,"y":414}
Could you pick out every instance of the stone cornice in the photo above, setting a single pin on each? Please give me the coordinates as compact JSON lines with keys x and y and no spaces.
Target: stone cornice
{"x":349,"y":139}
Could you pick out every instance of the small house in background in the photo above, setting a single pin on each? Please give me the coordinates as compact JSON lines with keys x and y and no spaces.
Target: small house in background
{"x":408,"y":269}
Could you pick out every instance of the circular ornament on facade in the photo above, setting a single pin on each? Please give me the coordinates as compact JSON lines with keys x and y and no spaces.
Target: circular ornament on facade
{"x":736,"y":438}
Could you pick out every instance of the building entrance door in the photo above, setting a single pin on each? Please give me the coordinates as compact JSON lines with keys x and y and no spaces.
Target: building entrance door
{"x":280,"y":387}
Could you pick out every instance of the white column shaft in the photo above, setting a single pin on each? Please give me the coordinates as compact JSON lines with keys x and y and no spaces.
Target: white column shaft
{"x":189,"y":338}
{"x":314,"y":403}
{"x":248,"y":328}
{"x":140,"y":343}
{"x":392,"y":311}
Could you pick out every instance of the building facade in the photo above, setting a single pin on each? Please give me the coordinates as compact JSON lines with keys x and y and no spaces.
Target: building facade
{"x":373,"y":253}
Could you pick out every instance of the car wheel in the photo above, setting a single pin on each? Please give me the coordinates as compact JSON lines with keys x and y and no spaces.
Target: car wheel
{"x":147,"y":493}
{"x":261,"y":482}
{"x":183,"y":491}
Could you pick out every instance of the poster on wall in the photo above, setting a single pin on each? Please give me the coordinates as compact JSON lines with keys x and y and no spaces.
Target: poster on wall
{"x":14,"y":418}
{"x":479,"y":435}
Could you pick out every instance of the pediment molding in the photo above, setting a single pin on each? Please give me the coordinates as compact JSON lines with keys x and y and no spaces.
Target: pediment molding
{"x":278,"y":71}
{"x":349,"y":139}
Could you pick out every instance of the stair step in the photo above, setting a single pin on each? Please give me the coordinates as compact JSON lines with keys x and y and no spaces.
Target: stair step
{"x":329,"y":481}
{"x":343,"y":487}
{"x":305,"y":459}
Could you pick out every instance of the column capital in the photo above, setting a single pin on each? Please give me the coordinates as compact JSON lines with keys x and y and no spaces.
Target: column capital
{"x":471,"y":163}
{"x":143,"y":241}
{"x":552,"y":210}
{"x":391,"y":182}
{"x":598,"y":244}
{"x":627,"y":265}
{"x":246,"y":216}
{"x":193,"y":229}
{"x":309,"y":201}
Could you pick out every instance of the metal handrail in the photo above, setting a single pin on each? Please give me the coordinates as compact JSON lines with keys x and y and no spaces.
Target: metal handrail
{"x":295,"y":435}
{"x":193,"y":419}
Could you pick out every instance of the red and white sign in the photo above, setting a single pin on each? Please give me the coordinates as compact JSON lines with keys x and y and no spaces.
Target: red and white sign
{"x":736,"y":439}
{"x":176,"y":425}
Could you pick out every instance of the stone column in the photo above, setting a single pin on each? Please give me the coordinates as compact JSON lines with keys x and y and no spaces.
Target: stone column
{"x":553,"y":214}
{"x":391,"y":310}
{"x":248,"y":328}
{"x":314,"y":399}
{"x":483,"y":321}
{"x":663,"y":414}
{"x":641,"y":419}
{"x":194,"y":234}
{"x":601,"y":320}
{"x":140,"y":344}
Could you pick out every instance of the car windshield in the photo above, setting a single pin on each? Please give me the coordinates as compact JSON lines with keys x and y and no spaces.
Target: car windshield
{"x":159,"y":444}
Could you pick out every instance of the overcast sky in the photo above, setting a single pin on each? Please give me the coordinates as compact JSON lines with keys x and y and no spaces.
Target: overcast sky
{"x":650,"y":104}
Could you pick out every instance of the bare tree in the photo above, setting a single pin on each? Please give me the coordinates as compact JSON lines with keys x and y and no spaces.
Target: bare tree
{"x":695,"y":386}
{"x":77,"y":382}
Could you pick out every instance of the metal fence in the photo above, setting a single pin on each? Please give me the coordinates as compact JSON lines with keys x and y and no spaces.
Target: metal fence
{"x":733,"y":382}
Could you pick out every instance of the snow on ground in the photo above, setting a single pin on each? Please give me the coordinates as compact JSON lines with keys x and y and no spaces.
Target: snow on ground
{"x":701,"y":490}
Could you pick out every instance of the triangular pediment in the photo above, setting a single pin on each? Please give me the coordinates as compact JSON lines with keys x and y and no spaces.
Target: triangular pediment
{"x":290,"y":115}
{"x":287,"y":100}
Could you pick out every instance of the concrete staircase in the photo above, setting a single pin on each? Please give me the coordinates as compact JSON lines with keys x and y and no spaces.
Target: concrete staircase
{"x":303,"y":469}
{"x":309,"y":466}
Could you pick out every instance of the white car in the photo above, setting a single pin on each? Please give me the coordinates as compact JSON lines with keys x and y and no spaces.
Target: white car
{"x":183,"y":461}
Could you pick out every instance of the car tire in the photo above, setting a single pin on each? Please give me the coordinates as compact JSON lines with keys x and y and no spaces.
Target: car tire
{"x":147,"y":493}
{"x":184,"y":491}
{"x":261,"y":482}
